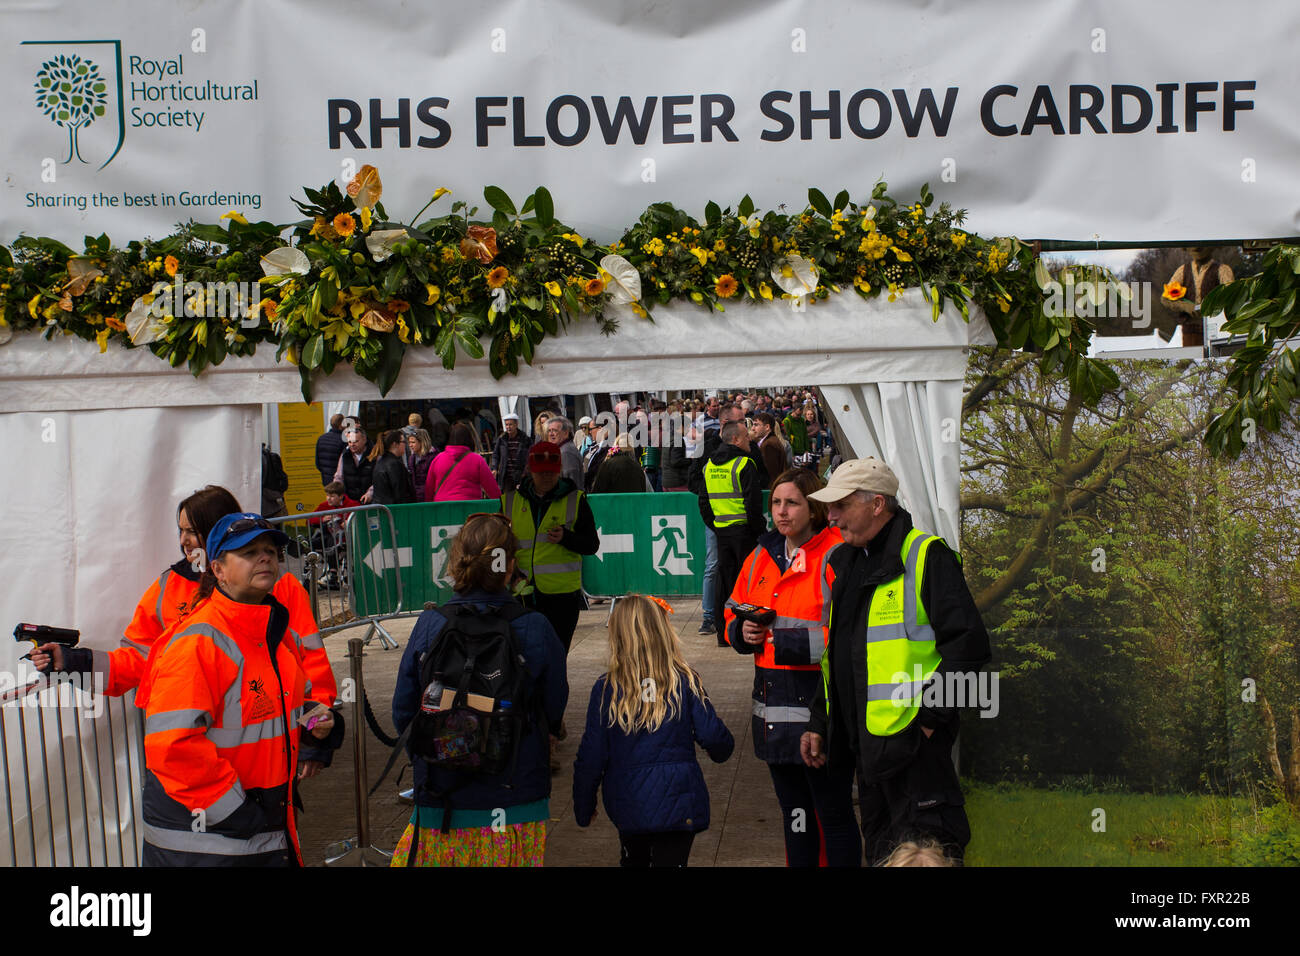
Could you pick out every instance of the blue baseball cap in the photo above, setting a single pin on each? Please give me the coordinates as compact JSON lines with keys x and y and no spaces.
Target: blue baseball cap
{"x":233,"y":531}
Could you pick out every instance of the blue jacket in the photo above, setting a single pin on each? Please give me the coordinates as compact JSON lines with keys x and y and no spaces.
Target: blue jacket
{"x":652,"y":781}
{"x":544,"y":658}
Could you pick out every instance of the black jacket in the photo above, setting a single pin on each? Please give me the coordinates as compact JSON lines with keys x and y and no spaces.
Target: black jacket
{"x":959,"y":634}
{"x":619,"y":474}
{"x":328,"y":448}
{"x":712,"y":442}
{"x":750,"y":484}
{"x":392,"y":481}
{"x":501,"y":458}
{"x":357,"y":478}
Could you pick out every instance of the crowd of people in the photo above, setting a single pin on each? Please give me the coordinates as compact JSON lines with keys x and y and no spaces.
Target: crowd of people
{"x":849,"y":613}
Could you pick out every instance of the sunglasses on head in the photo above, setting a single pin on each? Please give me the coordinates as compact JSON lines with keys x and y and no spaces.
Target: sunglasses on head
{"x":248,"y":524}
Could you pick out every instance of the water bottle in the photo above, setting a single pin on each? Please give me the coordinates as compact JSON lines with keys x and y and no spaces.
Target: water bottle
{"x":499,"y":738}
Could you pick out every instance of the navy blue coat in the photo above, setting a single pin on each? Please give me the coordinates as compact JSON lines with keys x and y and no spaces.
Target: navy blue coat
{"x":544,"y":657}
{"x":652,"y":781}
{"x":328,"y":448}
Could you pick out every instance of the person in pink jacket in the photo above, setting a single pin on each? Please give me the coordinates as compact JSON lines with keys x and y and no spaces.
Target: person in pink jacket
{"x":458,"y":473}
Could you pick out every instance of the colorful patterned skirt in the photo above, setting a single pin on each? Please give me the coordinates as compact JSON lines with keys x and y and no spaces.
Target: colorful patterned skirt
{"x":516,"y":837}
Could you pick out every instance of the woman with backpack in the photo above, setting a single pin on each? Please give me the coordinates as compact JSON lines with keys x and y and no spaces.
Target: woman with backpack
{"x":482,"y":797}
{"x":460,"y":473}
{"x":644,"y":718}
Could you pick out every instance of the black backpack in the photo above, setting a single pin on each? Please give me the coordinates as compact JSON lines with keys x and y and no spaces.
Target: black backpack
{"x":475,"y":700}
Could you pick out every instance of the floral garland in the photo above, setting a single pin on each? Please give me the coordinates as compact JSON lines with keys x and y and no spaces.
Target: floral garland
{"x":350,"y":286}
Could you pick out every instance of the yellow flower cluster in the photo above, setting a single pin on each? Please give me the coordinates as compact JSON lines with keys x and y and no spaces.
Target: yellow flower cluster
{"x":654,"y":247}
{"x":997,"y":259}
{"x":958,"y":240}
{"x":875,"y":245}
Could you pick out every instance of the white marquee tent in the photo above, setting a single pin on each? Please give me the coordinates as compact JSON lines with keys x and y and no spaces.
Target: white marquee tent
{"x":103,"y":446}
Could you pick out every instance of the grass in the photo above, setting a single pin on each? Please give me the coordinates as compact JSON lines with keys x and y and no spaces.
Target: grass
{"x":1013,"y":825}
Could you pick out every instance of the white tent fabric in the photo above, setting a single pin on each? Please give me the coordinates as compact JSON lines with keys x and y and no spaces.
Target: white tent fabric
{"x":915,"y":428}
{"x":90,"y":520}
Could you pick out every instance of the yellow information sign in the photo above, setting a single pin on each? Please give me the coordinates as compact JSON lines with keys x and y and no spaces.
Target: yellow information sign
{"x":300,"y":426}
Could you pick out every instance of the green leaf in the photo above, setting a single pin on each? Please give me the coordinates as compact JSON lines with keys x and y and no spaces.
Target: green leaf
{"x":304,"y":376}
{"x":1041,"y":275}
{"x":210,"y":233}
{"x":842,"y":199}
{"x":817,"y":199}
{"x":390,"y":363}
{"x":527,"y":207}
{"x":313,"y":351}
{"x":472,"y":346}
{"x":500,"y":221}
{"x":217,"y":347}
{"x":496,"y":198}
{"x":545,"y":207}
{"x":712,"y":214}
{"x":746,"y":207}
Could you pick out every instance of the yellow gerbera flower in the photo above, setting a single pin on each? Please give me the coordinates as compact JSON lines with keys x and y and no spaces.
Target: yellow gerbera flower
{"x":171,"y":264}
{"x":497,"y":277}
{"x":726,"y":286}
{"x":344,"y":224}
{"x":594,"y":287}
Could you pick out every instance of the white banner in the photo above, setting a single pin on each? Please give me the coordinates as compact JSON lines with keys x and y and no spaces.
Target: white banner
{"x":1071,"y":120}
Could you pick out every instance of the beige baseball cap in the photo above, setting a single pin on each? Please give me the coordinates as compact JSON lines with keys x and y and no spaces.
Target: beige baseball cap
{"x":858,"y":474}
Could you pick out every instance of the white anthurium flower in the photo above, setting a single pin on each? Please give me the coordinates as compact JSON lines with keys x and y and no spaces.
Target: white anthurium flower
{"x":500,"y":301}
{"x":142,"y":324}
{"x":286,"y":261}
{"x":624,"y":281}
{"x":381,"y":242}
{"x":795,"y":275}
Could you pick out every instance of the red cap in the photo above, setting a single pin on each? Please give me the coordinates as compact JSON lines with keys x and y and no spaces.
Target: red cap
{"x":544,"y":457}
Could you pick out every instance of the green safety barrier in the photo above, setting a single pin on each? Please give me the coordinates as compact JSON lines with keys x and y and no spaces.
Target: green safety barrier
{"x":652,"y":543}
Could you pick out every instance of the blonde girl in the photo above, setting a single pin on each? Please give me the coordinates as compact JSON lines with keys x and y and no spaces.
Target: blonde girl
{"x":644,"y":719}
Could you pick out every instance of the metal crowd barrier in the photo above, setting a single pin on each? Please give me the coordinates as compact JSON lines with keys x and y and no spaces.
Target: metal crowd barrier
{"x":349,"y":561}
{"x":78,"y":804}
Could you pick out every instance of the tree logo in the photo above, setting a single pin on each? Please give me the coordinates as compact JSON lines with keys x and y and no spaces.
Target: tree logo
{"x":73,"y":94}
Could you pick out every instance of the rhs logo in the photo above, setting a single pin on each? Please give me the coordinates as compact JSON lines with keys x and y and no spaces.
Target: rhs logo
{"x":73,"y":93}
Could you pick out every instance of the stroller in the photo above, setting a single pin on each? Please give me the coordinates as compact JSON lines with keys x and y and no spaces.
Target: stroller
{"x":328,"y":539}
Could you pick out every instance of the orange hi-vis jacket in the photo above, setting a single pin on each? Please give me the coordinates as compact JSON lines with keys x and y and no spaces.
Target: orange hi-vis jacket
{"x":787,"y":666}
{"x":224,"y":697}
{"x":173,"y":596}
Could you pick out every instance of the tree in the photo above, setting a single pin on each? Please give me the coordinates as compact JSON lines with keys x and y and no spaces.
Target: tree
{"x":70,"y":91}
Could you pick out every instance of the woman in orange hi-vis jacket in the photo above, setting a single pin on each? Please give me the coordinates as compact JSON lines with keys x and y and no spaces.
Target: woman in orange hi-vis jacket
{"x":786,"y":573}
{"x":174,"y":595}
{"x":226,"y":712}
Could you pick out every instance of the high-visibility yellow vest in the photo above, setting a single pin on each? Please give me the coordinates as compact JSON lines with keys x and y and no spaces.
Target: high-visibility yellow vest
{"x":722,"y":482}
{"x":553,"y":568}
{"x":901,"y":654}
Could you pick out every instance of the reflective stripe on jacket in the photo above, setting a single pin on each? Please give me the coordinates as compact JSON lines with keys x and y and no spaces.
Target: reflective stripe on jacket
{"x":553,"y":568}
{"x":787,"y":665}
{"x":221,"y":738}
{"x":172,"y":596}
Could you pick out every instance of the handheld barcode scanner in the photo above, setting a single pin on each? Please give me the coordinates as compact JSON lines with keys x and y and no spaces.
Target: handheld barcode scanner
{"x":762,"y":616}
{"x":40,"y":634}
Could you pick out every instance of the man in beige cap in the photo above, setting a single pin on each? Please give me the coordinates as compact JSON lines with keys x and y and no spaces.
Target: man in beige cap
{"x":883,"y":647}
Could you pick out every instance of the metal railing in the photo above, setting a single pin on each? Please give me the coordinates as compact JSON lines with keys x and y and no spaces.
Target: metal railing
{"x":73,"y":764}
{"x":327,"y":550}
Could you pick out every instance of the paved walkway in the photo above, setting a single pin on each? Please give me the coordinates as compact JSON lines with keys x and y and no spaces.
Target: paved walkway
{"x":745,"y":829}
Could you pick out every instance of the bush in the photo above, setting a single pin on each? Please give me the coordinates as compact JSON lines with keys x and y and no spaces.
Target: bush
{"x":1275,"y":840}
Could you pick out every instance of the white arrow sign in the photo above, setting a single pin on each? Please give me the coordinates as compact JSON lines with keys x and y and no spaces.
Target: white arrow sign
{"x":615,"y":544}
{"x":380,"y":559}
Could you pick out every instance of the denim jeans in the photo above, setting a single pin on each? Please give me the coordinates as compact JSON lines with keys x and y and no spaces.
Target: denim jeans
{"x":710,"y":575}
